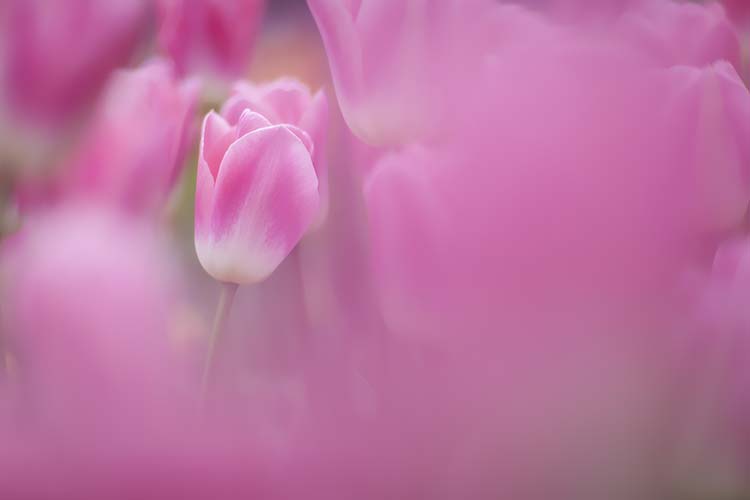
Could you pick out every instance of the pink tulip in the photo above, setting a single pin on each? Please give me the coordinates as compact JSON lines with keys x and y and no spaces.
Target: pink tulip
{"x":256,"y":195}
{"x":290,"y":102}
{"x":210,"y":36}
{"x":88,"y":323}
{"x":136,"y":147}
{"x":394,"y":63}
{"x":101,"y":394}
{"x":96,"y":36}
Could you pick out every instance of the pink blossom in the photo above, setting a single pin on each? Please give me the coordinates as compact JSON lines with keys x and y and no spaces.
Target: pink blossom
{"x":102,"y":398}
{"x":96,"y":37}
{"x":256,"y":195}
{"x":394,"y":63}
{"x":135,"y":149}
{"x":210,"y":37}
{"x":89,"y":322}
{"x":288,"y":101}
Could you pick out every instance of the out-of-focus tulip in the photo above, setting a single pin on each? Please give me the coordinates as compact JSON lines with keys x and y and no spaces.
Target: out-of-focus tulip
{"x":136,"y":147}
{"x":87,"y":304}
{"x":96,"y":36}
{"x":256,"y":195}
{"x":394,"y":63}
{"x":288,"y":101}
{"x":210,"y":36}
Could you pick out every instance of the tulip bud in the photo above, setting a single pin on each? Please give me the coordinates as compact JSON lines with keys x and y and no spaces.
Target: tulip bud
{"x":288,"y":101}
{"x":256,"y":195}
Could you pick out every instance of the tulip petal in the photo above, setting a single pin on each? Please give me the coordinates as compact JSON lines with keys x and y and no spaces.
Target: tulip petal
{"x":289,"y":99}
{"x":249,"y":121}
{"x":303,"y":137}
{"x":216,"y":137}
{"x":342,"y":43}
{"x":713,"y":110}
{"x":244,"y":98}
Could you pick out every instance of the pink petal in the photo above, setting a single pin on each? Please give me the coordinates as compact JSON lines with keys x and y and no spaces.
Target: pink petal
{"x":216,"y":137}
{"x":237,"y":103}
{"x":342,"y":44}
{"x":711,"y":112}
{"x":303,"y":137}
{"x":288,"y":98}
{"x":249,"y":121}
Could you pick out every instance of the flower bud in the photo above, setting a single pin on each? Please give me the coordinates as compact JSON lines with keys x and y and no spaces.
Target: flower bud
{"x":256,"y":195}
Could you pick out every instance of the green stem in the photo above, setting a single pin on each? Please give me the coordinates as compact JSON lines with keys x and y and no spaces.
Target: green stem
{"x":228,"y":291}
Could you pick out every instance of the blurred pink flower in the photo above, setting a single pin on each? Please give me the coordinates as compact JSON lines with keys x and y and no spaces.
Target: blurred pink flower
{"x":288,"y":101}
{"x":96,"y":37}
{"x":210,"y":36}
{"x":87,"y":304}
{"x":256,"y":195}
{"x":135,"y":149}
{"x":102,"y":403}
{"x":394,"y":63}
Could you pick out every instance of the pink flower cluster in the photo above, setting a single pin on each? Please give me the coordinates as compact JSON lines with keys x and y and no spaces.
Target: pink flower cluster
{"x":502,"y":251}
